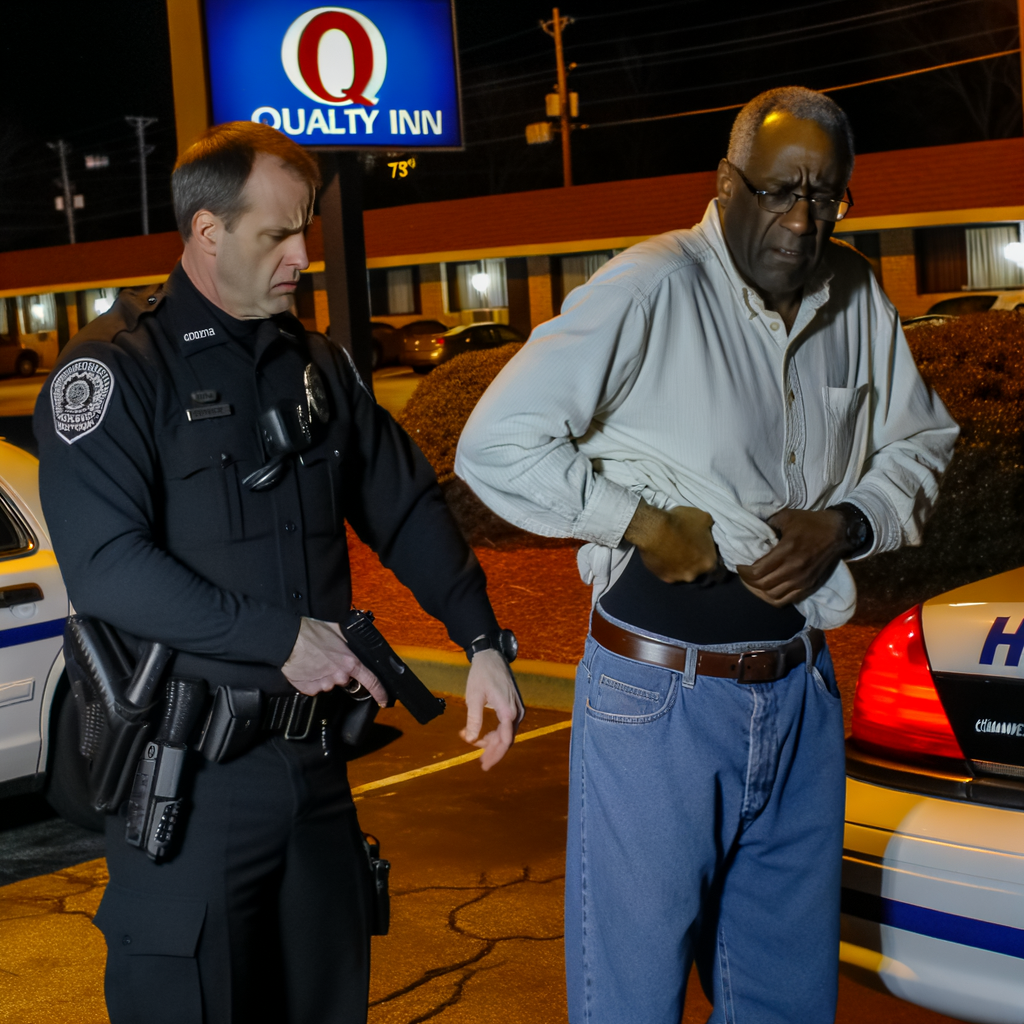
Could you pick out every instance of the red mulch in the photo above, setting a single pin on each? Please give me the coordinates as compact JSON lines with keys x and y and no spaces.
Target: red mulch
{"x":538,"y":594}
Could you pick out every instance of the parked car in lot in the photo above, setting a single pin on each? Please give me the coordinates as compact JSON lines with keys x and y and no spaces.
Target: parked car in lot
{"x":38,"y":728}
{"x":424,"y":352}
{"x":416,"y":334}
{"x":387,"y":343}
{"x":933,"y":865}
{"x":978,"y":303}
{"x":15,"y":359}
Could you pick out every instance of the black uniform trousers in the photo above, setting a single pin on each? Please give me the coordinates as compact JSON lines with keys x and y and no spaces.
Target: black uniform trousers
{"x":263,"y":915}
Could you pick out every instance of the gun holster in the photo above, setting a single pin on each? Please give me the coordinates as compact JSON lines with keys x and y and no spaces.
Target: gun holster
{"x":380,"y":905}
{"x":112,"y":731}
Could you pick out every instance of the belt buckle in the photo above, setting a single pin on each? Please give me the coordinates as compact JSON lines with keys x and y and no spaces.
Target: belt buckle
{"x":302,"y":702}
{"x":741,"y":669}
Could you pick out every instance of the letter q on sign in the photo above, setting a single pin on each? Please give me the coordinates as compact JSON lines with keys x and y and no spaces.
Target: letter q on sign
{"x":335,"y":55}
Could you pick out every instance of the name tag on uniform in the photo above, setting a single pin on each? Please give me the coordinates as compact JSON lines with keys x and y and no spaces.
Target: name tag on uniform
{"x":208,"y":412}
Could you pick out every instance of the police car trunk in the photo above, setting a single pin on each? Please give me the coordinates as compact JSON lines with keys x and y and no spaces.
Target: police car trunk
{"x":933,"y":865}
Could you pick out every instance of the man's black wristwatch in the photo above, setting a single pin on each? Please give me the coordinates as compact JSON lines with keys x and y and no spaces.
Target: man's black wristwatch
{"x":859,"y":535}
{"x":504,"y":642}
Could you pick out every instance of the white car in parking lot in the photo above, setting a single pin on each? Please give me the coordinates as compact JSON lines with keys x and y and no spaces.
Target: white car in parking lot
{"x":38,"y":730}
{"x":933,"y":865}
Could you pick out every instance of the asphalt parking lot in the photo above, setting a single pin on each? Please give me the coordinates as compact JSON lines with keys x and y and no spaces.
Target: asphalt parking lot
{"x":477,"y":869}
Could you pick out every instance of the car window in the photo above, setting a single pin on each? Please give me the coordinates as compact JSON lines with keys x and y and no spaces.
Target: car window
{"x":15,"y":537}
{"x":506,"y":334}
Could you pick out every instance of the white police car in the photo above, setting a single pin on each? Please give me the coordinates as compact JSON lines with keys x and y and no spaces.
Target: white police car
{"x":933,"y":866}
{"x":38,"y":731}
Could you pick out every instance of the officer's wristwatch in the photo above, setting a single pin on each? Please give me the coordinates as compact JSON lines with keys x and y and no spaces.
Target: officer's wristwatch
{"x":504,"y":642}
{"x":859,"y":535}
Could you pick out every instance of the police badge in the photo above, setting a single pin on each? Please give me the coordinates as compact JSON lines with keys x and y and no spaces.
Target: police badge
{"x":316,"y":395}
{"x":79,"y":395}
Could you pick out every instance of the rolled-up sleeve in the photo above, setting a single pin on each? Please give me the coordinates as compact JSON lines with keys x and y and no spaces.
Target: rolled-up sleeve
{"x":910,"y":442}
{"x":517,"y":451}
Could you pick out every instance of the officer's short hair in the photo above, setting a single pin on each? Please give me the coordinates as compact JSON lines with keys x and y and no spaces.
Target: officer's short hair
{"x":211,"y":174}
{"x":805,"y":104}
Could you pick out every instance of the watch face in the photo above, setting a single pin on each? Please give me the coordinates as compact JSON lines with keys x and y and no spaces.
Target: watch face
{"x":509,"y":644}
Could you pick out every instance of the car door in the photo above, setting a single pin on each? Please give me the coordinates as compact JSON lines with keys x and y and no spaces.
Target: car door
{"x":33,"y":606}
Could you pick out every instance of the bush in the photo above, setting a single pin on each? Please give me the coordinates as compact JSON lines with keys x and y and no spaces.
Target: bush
{"x":434,"y":418}
{"x":974,"y":363}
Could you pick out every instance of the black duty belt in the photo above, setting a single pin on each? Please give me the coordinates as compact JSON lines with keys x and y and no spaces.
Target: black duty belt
{"x":762,"y":665}
{"x":291,"y":715}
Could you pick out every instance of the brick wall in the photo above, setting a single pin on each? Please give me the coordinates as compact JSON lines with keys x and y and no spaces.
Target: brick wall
{"x":541,"y":306}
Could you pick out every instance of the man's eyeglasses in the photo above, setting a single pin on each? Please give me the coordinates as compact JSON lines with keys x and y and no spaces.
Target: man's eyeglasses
{"x":783,"y":202}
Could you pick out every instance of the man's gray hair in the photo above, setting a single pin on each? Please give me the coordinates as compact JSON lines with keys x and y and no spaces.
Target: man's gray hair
{"x":806,"y":104}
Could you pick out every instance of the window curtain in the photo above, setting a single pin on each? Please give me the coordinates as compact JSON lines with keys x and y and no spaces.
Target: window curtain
{"x":987,"y":266}
{"x":401,"y":291}
{"x":37,"y":313}
{"x":577,"y":270}
{"x":494,"y":296}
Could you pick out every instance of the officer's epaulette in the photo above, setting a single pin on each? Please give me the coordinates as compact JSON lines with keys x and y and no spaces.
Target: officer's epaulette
{"x":122,"y":317}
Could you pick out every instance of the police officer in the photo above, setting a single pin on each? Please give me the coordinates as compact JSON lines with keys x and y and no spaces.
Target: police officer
{"x":175,"y":520}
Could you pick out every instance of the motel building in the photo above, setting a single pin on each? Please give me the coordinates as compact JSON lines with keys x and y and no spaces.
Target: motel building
{"x":933,"y":222}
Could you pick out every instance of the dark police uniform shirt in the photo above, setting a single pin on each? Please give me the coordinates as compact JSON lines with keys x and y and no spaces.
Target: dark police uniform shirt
{"x":152,"y":527}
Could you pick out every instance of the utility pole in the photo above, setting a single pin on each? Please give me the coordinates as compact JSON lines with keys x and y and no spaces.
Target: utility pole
{"x":140,"y":124}
{"x":554,"y":28}
{"x":61,"y":148}
{"x":1020,"y":43}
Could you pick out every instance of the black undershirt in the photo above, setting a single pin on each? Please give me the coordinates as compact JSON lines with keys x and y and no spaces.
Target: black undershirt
{"x":242,"y":331}
{"x":698,"y":613}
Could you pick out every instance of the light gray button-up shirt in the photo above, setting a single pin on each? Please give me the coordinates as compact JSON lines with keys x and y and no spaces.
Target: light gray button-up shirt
{"x":666,"y":378}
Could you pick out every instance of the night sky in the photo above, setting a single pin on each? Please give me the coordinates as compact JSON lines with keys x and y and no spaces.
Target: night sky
{"x":75,"y":72}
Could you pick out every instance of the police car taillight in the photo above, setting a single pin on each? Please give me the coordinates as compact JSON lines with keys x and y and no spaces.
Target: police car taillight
{"x":896,"y":708}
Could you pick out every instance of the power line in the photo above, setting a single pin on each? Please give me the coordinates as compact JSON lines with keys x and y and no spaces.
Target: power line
{"x":726,"y":48}
{"x":831,"y":88}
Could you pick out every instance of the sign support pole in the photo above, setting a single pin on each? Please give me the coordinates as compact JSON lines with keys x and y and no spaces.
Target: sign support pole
{"x":341,"y":219}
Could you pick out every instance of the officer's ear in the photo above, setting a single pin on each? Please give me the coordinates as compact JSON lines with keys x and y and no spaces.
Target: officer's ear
{"x":206,"y":230}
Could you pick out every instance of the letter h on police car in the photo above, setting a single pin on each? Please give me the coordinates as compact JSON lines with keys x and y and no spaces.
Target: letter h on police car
{"x":999,"y":637}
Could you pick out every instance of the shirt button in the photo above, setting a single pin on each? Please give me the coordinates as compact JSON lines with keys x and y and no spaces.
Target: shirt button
{"x":126,"y":941}
{"x":792,"y":457}
{"x":775,"y":326}
{"x":289,"y":527}
{"x":296,"y":595}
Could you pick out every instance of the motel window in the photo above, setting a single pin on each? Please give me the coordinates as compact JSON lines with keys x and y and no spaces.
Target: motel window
{"x":5,"y":322}
{"x":394,"y":291}
{"x":95,"y":302}
{"x":37,"y":313}
{"x":578,"y":269}
{"x":987,"y":265}
{"x":479,"y":285}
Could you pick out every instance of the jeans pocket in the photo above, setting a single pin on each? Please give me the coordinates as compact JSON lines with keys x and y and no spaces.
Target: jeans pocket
{"x":622,"y":690}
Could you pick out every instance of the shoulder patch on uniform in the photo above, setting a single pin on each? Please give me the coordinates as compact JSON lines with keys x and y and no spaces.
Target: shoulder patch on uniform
{"x":80,"y":394}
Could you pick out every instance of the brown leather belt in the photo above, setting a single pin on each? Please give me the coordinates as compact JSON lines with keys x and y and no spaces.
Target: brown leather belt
{"x":764,"y":665}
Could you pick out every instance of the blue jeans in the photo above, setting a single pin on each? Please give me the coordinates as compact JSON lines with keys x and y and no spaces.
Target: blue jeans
{"x":705,"y":824}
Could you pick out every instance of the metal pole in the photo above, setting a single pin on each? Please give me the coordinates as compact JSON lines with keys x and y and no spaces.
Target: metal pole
{"x":563,"y":98}
{"x":140,"y":124}
{"x":62,"y":149}
{"x":1020,"y":43}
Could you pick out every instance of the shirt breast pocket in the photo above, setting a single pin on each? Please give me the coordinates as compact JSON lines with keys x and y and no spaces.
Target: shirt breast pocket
{"x":204,"y":499}
{"x":842,"y":409}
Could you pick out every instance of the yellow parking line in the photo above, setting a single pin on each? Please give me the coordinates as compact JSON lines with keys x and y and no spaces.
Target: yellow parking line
{"x":453,"y":761}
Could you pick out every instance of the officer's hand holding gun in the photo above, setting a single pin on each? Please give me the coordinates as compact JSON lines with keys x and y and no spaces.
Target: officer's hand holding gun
{"x":321,"y":660}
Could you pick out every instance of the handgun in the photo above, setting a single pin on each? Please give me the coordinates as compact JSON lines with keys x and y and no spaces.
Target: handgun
{"x":400,"y":682}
